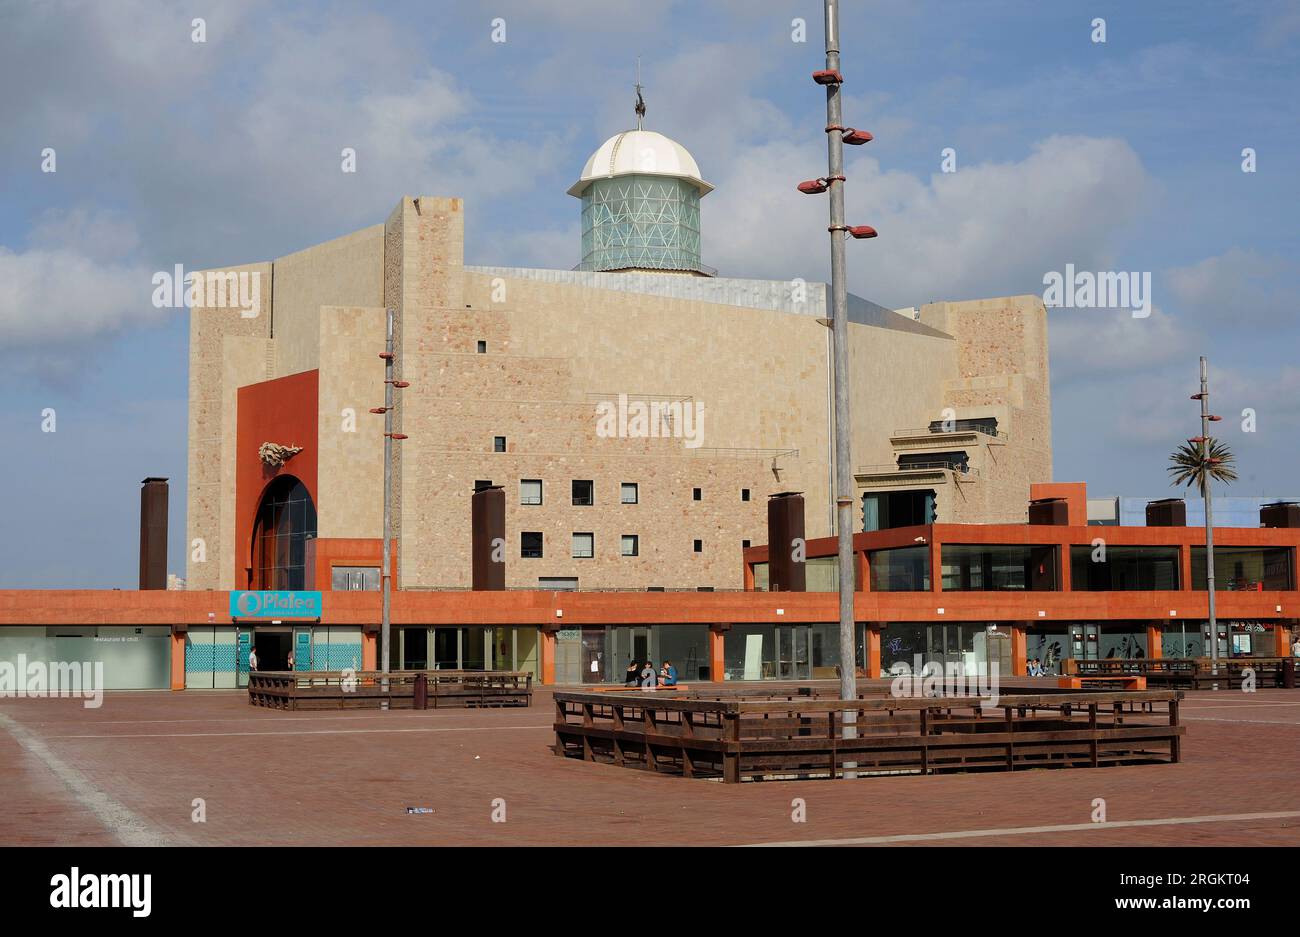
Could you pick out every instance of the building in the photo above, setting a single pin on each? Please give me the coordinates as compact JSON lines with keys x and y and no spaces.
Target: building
{"x":1229,"y":510}
{"x":638,"y":410}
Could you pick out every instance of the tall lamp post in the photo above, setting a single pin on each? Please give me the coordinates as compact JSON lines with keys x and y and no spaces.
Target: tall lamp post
{"x":1206,"y":479}
{"x":385,"y":569}
{"x":833,"y":182}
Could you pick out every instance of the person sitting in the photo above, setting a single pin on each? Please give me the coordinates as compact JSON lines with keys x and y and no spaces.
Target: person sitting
{"x":1035,"y":668}
{"x":633,"y":675}
{"x":668,"y":675}
{"x":648,"y":676}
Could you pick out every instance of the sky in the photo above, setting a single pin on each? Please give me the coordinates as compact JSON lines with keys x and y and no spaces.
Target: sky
{"x":1122,"y":155}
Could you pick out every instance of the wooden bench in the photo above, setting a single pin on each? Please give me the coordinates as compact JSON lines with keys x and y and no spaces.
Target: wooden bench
{"x":1103,"y":681}
{"x":371,"y":689}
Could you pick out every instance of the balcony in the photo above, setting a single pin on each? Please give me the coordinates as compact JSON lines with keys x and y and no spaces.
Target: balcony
{"x":925,"y":438}
{"x":917,"y":473}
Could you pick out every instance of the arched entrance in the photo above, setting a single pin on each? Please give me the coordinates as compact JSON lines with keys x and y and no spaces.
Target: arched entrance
{"x":286,"y":518}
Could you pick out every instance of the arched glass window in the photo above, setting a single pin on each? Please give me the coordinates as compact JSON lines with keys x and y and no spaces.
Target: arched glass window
{"x":286,"y":518}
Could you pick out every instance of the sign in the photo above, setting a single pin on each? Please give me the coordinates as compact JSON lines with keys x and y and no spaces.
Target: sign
{"x":281,"y":604}
{"x":568,"y":634}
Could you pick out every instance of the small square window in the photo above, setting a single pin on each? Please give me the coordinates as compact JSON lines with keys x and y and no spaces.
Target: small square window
{"x":498,"y":444}
{"x":631,"y":545}
{"x":697,"y":494}
{"x":482,"y":348}
{"x":744,"y":494}
{"x":530,"y":545}
{"x":584,"y":546}
{"x":744,"y":544}
{"x":699,"y":546}
{"x":584,"y":493}
{"x":530,"y":491}
{"x":629,"y":493}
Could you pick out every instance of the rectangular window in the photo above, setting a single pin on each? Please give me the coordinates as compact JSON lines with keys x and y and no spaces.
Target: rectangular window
{"x":744,"y":544}
{"x":889,"y":509}
{"x":481,"y":483}
{"x":631,"y":545}
{"x":354,"y":578}
{"x":498,"y":444}
{"x":699,"y":546}
{"x":584,"y":493}
{"x":1245,"y":569}
{"x":998,"y":568}
{"x":530,"y":545}
{"x":628,"y":493}
{"x":1123,"y":569}
{"x":697,"y":494}
{"x":482,"y":348}
{"x":530,"y":491}
{"x":584,"y":546}
{"x":905,"y":569}
{"x":744,"y":494}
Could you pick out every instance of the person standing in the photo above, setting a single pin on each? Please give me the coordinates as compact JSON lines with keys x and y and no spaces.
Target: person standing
{"x":1295,"y":648}
{"x":252,"y":660}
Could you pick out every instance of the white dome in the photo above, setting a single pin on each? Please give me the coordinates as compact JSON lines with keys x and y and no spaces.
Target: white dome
{"x":640,"y":152}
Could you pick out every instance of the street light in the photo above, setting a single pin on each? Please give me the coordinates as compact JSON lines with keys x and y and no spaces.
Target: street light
{"x":385,"y":573}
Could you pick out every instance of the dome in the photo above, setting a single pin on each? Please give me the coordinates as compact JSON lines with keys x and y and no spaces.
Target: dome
{"x":640,"y":152}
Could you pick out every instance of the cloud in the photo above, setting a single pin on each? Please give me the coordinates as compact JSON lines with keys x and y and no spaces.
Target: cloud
{"x":1238,"y":285}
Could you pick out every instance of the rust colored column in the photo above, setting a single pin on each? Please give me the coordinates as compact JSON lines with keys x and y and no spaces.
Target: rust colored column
{"x":178,"y":659}
{"x":872,"y":637}
{"x":153,"y":533}
{"x":548,"y":657}
{"x":1154,"y":643}
{"x":369,"y":650}
{"x":717,"y":651}
{"x":784,"y":527}
{"x":1019,"y":650}
{"x":489,"y":535}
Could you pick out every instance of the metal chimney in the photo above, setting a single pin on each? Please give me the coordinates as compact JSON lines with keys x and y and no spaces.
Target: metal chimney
{"x":153,"y":533}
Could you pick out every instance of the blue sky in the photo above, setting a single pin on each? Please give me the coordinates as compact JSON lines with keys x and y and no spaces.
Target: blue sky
{"x":1117,"y":156}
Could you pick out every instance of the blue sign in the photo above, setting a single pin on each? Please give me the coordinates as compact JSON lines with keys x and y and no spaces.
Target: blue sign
{"x":275,"y":604}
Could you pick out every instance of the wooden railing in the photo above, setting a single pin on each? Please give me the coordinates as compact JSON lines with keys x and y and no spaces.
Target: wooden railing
{"x":739,"y":739}
{"x":1190,"y":672}
{"x":368,"y":689}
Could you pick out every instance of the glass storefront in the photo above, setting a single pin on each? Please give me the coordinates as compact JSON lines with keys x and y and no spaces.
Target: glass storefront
{"x":422,"y":647}
{"x":1245,"y":569}
{"x":781,"y":652}
{"x":602,"y":654}
{"x":969,"y":647}
{"x":1123,"y":569}
{"x":133,"y":657}
{"x":906,"y":569}
{"x":998,"y":568}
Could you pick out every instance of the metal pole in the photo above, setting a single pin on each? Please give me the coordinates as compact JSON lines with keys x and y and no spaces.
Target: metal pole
{"x":840,"y":343}
{"x":385,"y":631}
{"x":1209,"y":521}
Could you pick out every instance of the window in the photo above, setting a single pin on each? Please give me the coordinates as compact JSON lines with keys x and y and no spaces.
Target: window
{"x":530,"y":545}
{"x":744,"y":544}
{"x":889,"y":509}
{"x":744,"y":494}
{"x":1124,"y":569}
{"x":699,"y":544}
{"x":530,"y":491}
{"x":498,"y":444}
{"x":631,"y":545}
{"x":558,"y":583}
{"x":704,"y":588}
{"x":584,"y":493}
{"x":584,"y":546}
{"x":998,"y":568}
{"x":1245,"y":569}
{"x":354,"y":578}
{"x":481,"y":483}
{"x":696,"y":494}
{"x":902,"y":569}
{"x":286,"y":520}
{"x":628,"y":493}
{"x":482,"y":347}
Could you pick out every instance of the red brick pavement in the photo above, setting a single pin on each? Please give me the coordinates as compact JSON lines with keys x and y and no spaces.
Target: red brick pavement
{"x":347,"y":778}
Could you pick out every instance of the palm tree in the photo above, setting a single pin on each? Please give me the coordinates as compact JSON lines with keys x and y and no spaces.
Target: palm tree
{"x":1191,"y":464}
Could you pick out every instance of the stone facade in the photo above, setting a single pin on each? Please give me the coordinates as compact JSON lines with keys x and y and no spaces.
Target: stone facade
{"x":752,"y":356}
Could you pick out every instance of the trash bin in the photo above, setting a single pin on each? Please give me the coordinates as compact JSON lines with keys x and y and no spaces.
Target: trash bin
{"x":421,"y":691}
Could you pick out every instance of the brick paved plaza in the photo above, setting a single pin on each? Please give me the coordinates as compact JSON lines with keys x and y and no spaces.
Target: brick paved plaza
{"x":129,"y":771}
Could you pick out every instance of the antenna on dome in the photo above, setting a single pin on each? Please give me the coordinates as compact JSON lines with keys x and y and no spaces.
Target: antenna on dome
{"x":640,"y":101}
